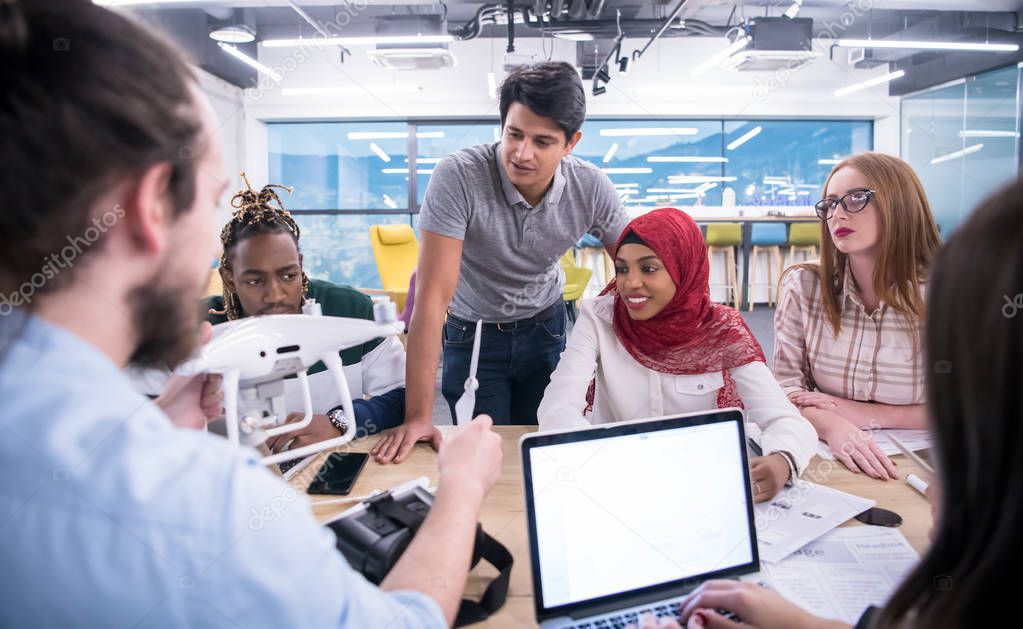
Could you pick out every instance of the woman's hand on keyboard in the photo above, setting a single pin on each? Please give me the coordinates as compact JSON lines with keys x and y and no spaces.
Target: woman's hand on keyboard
{"x":710,"y":604}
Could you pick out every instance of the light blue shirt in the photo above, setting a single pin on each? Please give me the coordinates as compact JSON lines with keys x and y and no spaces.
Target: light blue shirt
{"x":111,"y":517}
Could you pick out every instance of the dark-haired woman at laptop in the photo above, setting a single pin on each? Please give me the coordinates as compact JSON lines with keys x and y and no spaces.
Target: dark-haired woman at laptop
{"x":653,"y":343}
{"x":974,"y":396}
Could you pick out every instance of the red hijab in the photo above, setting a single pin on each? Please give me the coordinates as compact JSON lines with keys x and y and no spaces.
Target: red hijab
{"x":692,"y":334}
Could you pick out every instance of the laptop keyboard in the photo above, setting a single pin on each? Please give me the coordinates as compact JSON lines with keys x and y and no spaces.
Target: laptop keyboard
{"x":619,"y":621}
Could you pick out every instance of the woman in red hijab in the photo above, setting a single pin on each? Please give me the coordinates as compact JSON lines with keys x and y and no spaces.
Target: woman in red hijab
{"x":653,"y":343}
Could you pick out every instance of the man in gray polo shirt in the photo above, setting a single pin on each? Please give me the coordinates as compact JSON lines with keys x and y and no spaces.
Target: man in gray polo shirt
{"x":494,"y":223}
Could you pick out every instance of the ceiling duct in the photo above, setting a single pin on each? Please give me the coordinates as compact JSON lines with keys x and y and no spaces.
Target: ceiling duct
{"x":775,"y":43}
{"x":412,"y":56}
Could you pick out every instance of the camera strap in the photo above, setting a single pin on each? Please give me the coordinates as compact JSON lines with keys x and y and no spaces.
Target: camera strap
{"x":485,"y":547}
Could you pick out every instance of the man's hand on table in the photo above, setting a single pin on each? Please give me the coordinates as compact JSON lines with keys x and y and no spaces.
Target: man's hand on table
{"x":395,"y":446}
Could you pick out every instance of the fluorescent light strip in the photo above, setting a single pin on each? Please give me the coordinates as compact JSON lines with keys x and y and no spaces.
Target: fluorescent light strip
{"x":379,"y":151}
{"x":351,"y":90}
{"x":957,"y":154}
{"x":926,"y":45}
{"x":685,"y":159}
{"x":574,"y":36}
{"x":744,"y":138}
{"x":246,"y":59}
{"x":877,"y":80}
{"x":128,"y":3}
{"x":358,"y":41}
{"x":696,"y":179}
{"x":648,"y":131}
{"x":626,"y":185}
{"x":706,"y":186}
{"x":391,"y":135}
{"x":987,"y":133}
{"x":720,"y":56}
{"x":426,"y":160}
{"x":389,"y":202}
{"x":628,"y":171}
{"x":404,"y":171}
{"x":673,"y":190}
{"x":497,"y":134}
{"x":610,"y":152}
{"x":828,"y":162}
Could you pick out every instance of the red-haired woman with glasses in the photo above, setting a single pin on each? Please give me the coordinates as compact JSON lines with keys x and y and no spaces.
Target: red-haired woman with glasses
{"x":848,"y":327}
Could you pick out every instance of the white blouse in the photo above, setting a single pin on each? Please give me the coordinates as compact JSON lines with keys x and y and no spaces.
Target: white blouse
{"x":627,"y":390}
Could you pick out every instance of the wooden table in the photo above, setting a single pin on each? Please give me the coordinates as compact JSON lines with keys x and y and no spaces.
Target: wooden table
{"x":503,"y":514}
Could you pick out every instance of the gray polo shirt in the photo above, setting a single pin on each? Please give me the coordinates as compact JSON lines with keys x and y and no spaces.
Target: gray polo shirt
{"x":510,"y":249}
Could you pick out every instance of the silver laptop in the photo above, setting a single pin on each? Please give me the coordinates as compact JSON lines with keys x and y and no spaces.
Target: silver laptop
{"x":629,"y":517}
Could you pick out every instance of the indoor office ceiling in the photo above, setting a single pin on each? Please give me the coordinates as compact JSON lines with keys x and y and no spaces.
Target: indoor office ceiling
{"x":597,"y":23}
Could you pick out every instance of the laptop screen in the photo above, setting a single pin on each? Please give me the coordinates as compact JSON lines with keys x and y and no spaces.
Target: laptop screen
{"x":616,"y":510}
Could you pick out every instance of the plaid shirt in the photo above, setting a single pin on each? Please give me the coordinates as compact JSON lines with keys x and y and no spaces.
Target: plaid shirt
{"x":876,"y":357}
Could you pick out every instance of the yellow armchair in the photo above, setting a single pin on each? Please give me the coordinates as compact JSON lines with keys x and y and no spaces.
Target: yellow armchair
{"x":576,"y":279}
{"x":397,"y":253}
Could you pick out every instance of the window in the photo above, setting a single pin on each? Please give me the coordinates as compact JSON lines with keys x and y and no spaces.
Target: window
{"x":437,"y":141}
{"x":654,"y":163}
{"x":963,"y":141}
{"x":350,"y":175}
{"x":786,"y":162}
{"x":347,"y":166}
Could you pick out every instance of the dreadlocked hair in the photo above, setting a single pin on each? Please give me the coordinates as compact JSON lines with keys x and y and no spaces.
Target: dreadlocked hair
{"x":257,"y":213}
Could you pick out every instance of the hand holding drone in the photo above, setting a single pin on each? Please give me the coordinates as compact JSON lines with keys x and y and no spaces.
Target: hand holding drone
{"x":255,"y":354}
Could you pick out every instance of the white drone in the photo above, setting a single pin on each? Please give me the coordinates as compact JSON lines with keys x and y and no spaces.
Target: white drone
{"x":256,"y":353}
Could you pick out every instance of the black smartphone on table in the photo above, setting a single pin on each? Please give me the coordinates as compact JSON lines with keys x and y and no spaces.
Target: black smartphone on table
{"x":338,"y":474}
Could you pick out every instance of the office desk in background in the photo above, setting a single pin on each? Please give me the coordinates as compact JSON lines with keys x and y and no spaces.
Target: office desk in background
{"x":503,"y":514}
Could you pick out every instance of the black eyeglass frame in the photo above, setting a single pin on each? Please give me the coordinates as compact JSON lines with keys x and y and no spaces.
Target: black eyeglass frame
{"x":825,"y":208}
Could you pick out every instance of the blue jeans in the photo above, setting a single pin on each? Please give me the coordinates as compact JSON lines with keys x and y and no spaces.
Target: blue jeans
{"x":515,"y":365}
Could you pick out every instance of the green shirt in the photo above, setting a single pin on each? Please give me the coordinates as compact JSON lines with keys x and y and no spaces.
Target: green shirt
{"x":335,"y":301}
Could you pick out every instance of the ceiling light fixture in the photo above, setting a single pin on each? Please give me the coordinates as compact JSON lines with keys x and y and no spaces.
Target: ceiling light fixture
{"x":350,"y":90}
{"x":648,"y":131}
{"x":239,"y":34}
{"x":372,"y":40}
{"x":877,"y":80}
{"x":610,"y":152}
{"x":685,"y":159}
{"x":391,"y":135}
{"x":987,"y":133}
{"x":957,"y":154}
{"x":721,"y":55}
{"x":793,"y":9}
{"x":628,"y":171}
{"x":249,"y":61}
{"x":574,"y":35}
{"x":926,"y":45}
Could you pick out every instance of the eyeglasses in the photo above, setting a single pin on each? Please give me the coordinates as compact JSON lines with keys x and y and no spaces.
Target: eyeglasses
{"x":852,"y":202}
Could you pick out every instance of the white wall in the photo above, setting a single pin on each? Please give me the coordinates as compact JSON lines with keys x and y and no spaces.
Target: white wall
{"x":229,"y":104}
{"x":462,"y":91}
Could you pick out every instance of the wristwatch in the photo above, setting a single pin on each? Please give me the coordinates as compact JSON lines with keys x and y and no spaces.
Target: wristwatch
{"x":337,"y":419}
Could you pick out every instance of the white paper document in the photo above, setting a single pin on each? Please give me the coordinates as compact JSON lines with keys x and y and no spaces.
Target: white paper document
{"x":915,"y":440}
{"x":842,"y":573}
{"x":800,"y":514}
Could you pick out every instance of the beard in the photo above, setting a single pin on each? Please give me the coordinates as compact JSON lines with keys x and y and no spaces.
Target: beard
{"x":167,"y":318}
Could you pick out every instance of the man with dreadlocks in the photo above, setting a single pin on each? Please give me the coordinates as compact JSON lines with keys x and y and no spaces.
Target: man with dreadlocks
{"x":261,"y":269}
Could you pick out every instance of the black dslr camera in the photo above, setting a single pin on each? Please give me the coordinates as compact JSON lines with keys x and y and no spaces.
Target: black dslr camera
{"x":373,"y":535}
